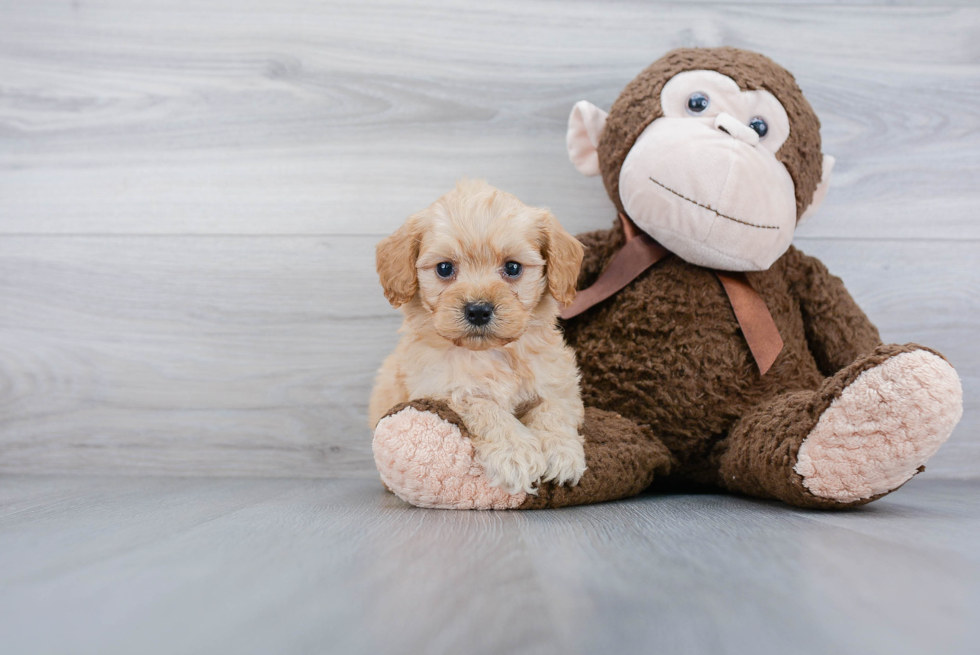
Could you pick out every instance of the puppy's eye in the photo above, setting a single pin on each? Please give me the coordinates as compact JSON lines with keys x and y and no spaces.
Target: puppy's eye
{"x":445,"y":269}
{"x":697,"y":103}
{"x":759,"y":126}
{"x":512,"y":269}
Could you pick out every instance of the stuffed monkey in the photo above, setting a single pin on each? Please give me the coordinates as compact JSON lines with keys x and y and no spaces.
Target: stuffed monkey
{"x":712,"y":351}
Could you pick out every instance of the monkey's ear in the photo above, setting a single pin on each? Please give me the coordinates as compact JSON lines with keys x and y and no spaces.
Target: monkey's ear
{"x":584,"y":129}
{"x":395,"y":258}
{"x":563,"y":254}
{"x":821,"y":192}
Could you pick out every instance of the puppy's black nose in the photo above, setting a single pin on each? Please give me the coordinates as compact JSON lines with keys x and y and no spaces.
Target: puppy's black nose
{"x":479,"y":313}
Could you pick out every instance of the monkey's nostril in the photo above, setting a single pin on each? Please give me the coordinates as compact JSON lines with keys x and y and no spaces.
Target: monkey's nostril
{"x":478,"y":313}
{"x":736,"y":129}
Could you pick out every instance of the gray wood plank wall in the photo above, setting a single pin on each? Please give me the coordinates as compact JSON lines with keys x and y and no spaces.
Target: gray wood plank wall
{"x":190,"y":193}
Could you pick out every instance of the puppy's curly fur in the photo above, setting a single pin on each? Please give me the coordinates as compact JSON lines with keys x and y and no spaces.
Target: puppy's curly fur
{"x":512,"y":378}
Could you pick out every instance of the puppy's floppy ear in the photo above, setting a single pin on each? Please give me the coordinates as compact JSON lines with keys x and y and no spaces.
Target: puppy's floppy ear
{"x":563,"y":254}
{"x":395,"y":258}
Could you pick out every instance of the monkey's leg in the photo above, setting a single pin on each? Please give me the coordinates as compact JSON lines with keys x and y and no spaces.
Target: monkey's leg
{"x":424,"y":454}
{"x":865,"y":432}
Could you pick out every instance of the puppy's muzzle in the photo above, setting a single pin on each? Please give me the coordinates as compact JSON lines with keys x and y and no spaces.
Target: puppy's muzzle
{"x":478,"y":313}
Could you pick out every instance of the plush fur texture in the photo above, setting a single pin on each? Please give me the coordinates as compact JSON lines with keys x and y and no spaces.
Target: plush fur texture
{"x":707,"y":186}
{"x":424,"y":453}
{"x":639,"y":105}
{"x":760,"y":455}
{"x":684,"y":370}
{"x":673,"y":391}
{"x":881,"y":428}
{"x":513,"y":379}
{"x":623,"y":459}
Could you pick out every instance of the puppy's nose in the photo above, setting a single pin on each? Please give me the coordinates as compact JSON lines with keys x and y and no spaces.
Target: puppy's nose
{"x":478,"y":313}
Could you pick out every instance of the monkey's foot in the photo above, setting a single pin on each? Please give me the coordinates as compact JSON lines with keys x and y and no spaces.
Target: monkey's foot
{"x":882,"y":428}
{"x":426,"y":458}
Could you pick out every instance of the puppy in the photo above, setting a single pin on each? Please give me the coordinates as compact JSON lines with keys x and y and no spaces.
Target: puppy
{"x":478,"y":276}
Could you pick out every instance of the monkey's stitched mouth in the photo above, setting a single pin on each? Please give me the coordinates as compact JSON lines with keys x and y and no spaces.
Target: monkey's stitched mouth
{"x":712,"y":209}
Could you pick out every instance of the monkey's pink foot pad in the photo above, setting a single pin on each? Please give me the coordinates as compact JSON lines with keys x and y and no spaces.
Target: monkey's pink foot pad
{"x":882,"y":428}
{"x":428,"y":462}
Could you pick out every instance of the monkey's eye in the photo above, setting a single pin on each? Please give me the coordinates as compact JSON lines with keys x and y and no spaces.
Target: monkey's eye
{"x":444,"y":269}
{"x":512,"y":269}
{"x":759,"y":126}
{"x":697,"y":103}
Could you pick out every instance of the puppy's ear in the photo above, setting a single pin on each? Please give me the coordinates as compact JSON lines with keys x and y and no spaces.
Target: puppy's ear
{"x":395,"y":258}
{"x":563,"y":254}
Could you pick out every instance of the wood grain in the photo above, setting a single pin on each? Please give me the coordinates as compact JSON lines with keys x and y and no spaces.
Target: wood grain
{"x":127,"y":565}
{"x":190,"y":355}
{"x":329,"y":118}
{"x":255,"y":355}
{"x":190,"y":193}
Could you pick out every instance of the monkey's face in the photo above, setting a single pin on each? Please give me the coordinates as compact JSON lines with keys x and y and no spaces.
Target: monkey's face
{"x":708,"y":169}
{"x":704,"y":179}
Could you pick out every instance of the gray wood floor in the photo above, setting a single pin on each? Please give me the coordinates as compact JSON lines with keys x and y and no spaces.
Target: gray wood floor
{"x":172,"y":565}
{"x":190,"y":193}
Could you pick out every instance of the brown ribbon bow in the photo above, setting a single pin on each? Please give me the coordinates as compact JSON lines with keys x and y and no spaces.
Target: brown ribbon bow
{"x":641,"y":252}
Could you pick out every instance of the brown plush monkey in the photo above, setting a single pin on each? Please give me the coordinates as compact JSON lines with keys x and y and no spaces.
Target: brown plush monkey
{"x":711,"y":350}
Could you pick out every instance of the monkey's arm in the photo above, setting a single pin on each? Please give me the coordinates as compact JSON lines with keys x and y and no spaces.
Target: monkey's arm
{"x":837,"y":330}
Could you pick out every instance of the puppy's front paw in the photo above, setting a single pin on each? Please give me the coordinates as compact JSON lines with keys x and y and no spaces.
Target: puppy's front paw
{"x":514,"y":466}
{"x":566,"y":462}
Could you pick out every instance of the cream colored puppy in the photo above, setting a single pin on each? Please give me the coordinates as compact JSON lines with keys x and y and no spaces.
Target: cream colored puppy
{"x":479,"y":276}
